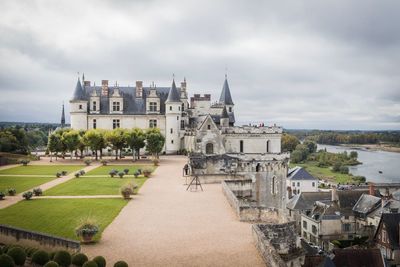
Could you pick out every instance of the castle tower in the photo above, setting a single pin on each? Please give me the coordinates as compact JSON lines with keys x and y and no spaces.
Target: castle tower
{"x":173,"y":114}
{"x":226,"y":97}
{"x":79,"y":108}
{"x":63,"y":117}
{"x":224,"y":122}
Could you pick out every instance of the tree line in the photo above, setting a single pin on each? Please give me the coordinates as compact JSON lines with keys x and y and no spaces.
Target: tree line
{"x":21,"y":140}
{"x":77,"y":141}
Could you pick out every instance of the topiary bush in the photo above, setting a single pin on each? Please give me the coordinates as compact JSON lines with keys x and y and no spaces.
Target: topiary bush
{"x":24,"y":162}
{"x":112,"y":173}
{"x":79,"y":259}
{"x":121,"y":174}
{"x":63,"y":258}
{"x":51,"y":264}
{"x":121,"y":264}
{"x":11,"y":191}
{"x":82,"y":172}
{"x":90,"y":264}
{"x":63,"y":173}
{"x":27,"y":195}
{"x":58,"y":175}
{"x":126,"y":171}
{"x":6,"y":261}
{"x":37,"y":192}
{"x":2,"y":195}
{"x":100,"y":260}
{"x":77,"y":175}
{"x":18,"y":255}
{"x":40,"y":257}
{"x":104,"y":162}
{"x":87,"y":162}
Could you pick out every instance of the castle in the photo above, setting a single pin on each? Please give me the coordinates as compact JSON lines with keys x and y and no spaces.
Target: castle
{"x":196,"y":126}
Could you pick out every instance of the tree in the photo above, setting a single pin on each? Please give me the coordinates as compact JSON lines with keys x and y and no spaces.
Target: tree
{"x":116,"y":139}
{"x":311,"y":146}
{"x":353,"y":155}
{"x":54,"y":144}
{"x":94,"y":139}
{"x":81,"y":145}
{"x":71,"y":140}
{"x":289,"y":142}
{"x":154,"y":141}
{"x":135,"y":139}
{"x":8,"y":142}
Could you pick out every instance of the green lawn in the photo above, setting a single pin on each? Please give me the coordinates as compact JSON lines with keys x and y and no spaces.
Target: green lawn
{"x":42,"y":169}
{"x":86,"y":185}
{"x":21,"y":184}
{"x":324,"y":173}
{"x":104,"y":170}
{"x":60,"y":216}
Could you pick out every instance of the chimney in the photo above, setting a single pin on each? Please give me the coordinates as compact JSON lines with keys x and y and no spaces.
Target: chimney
{"x":139,"y":89}
{"x":86,"y":83}
{"x":104,"y":87}
{"x":335,"y":197}
{"x":371,"y":188}
{"x":183,"y":89}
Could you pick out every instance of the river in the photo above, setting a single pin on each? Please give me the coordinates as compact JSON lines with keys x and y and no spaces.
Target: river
{"x":373,"y":162}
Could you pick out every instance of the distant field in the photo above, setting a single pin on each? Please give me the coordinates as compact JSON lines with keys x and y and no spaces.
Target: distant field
{"x":324,"y":173}
{"x":104,"y":170}
{"x":22,"y":184}
{"x":86,"y":185}
{"x":60,"y":217}
{"x":42,"y":169}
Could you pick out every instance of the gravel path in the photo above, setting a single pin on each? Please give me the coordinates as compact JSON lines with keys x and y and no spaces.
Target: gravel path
{"x":165,"y":225}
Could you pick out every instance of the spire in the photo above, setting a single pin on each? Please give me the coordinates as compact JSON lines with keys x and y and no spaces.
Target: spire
{"x":78,"y":93}
{"x":83,"y":78}
{"x":173,"y":95}
{"x":62,"y":117}
{"x":224,"y":113}
{"x":226,"y":97}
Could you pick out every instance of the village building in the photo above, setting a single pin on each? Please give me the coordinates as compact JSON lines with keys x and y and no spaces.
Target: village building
{"x":300,"y":180}
{"x":387,"y":237}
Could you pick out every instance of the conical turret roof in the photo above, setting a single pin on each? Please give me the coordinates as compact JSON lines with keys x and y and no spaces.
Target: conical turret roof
{"x":63,"y":117}
{"x":78,"y":93}
{"x":226,"y":97}
{"x":173,"y":95}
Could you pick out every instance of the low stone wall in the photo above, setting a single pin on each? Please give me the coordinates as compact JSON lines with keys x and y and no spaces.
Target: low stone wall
{"x":247,"y":211}
{"x":13,"y":235}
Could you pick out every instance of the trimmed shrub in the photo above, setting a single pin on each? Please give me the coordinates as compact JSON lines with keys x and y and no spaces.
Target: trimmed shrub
{"x":5,"y":248}
{"x":104,"y":162}
{"x":40,"y":257}
{"x":121,"y":174}
{"x":24,"y":162}
{"x":90,"y":264}
{"x":136,"y":174}
{"x":58,"y":174}
{"x":126,"y":171}
{"x":11,"y":191}
{"x":121,"y":264}
{"x":79,"y":259}
{"x":18,"y":255}
{"x":82,"y":172}
{"x":2,"y":195}
{"x":127,"y":190}
{"x":77,"y":175}
{"x":63,"y":173}
{"x":100,"y":260}
{"x":27,"y":195}
{"x":52,"y":254}
{"x":87,"y":162}
{"x":37,"y":192}
{"x":6,"y":261}
{"x":63,"y":258}
{"x":147,"y":173}
{"x":51,"y":264}
{"x":112,"y":173}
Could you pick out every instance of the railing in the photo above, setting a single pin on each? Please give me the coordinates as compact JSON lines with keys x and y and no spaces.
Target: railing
{"x":9,"y":234}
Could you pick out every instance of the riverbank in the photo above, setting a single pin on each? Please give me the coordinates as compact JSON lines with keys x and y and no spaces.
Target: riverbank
{"x":374,"y":147}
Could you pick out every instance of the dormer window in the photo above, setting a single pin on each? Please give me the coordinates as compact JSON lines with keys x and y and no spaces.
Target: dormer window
{"x":153,"y":106}
{"x":116,"y":106}
{"x":94,"y":105}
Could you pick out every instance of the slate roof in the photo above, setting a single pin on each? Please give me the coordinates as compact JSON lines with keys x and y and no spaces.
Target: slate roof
{"x":131,"y":103}
{"x":217,"y":118}
{"x":306,"y":200}
{"x":79,"y":94}
{"x":371,"y":257}
{"x":317,"y":261}
{"x":226,"y":97}
{"x":348,"y":199}
{"x":224,"y":113}
{"x":392,"y":225}
{"x":173,"y":95}
{"x":299,"y":173}
{"x":366,"y":203}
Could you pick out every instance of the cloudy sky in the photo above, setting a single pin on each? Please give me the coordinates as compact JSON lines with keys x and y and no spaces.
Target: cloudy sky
{"x":300,"y":64}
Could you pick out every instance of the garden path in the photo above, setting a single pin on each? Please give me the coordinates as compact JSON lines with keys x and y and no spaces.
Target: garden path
{"x":10,"y":200}
{"x":165,"y":225}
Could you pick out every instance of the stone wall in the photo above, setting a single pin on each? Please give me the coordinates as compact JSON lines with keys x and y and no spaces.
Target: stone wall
{"x":13,"y":235}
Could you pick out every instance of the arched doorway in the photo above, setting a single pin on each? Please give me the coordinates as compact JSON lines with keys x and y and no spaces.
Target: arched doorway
{"x":209,"y":148}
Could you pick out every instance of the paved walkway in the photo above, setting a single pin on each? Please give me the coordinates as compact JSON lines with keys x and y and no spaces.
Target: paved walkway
{"x":165,"y":225}
{"x":10,"y":200}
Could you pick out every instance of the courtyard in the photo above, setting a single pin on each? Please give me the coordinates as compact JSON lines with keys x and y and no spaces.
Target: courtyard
{"x":162,"y":225}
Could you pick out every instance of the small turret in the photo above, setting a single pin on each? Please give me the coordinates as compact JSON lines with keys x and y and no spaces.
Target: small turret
{"x":224,"y":122}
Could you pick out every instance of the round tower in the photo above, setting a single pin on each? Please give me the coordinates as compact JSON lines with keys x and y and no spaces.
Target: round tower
{"x":79,"y":108}
{"x":173,"y":114}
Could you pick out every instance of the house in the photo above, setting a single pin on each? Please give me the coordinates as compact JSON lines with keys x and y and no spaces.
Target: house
{"x":387,"y":237}
{"x":365,"y":205}
{"x":300,"y":180}
{"x":358,"y":257}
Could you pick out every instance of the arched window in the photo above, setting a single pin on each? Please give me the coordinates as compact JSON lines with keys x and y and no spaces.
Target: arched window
{"x":241,"y":146}
{"x":258,"y":167}
{"x":209,"y":148}
{"x":268,"y":146}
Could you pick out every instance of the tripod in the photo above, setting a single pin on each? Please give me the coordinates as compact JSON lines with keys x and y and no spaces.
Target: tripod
{"x":195,"y":182}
